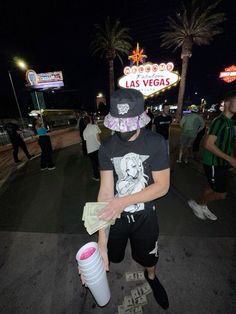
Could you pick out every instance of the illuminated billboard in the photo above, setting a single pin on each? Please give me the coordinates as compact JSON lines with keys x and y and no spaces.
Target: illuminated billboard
{"x":44,"y":80}
{"x":229,"y":74}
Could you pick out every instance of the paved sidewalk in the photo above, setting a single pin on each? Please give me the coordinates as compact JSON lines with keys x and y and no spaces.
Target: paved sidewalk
{"x":60,"y":138}
{"x":41,"y":231}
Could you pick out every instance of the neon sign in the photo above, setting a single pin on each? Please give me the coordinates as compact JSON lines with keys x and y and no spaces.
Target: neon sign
{"x":150,"y":78}
{"x":44,"y":80}
{"x":229,"y":74}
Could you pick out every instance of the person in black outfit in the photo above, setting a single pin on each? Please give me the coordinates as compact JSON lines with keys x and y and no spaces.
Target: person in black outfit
{"x":82,"y":126}
{"x":163,"y":121}
{"x":46,"y":149}
{"x":150,"y":114}
{"x":13,"y":131}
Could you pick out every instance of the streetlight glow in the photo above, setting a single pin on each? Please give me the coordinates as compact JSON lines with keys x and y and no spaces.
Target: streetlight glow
{"x":21,"y":64}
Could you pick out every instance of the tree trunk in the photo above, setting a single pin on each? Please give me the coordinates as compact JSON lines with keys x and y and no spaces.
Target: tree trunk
{"x":111,"y":76}
{"x":185,"y":55}
{"x":182,"y":87}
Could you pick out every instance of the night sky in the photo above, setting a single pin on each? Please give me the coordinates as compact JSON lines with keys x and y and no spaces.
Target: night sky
{"x":55,"y":35}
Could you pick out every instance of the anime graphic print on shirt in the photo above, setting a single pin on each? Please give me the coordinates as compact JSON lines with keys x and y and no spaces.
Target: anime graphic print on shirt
{"x":131,"y":177}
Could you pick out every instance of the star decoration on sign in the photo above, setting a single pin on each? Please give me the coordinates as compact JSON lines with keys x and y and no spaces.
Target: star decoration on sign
{"x":137,"y":56}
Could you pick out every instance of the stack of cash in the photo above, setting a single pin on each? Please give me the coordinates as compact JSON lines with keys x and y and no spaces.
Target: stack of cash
{"x":90,"y":217}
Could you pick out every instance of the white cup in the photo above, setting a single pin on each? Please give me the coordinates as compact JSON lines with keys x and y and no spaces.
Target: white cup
{"x":91,"y":278}
{"x":87,"y":254}
{"x":100,"y":290}
{"x":91,"y":267}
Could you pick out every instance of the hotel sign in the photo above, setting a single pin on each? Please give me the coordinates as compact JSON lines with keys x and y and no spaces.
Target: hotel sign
{"x":44,"y":80}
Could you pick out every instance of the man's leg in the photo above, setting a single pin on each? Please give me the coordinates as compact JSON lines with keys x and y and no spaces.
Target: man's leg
{"x":210,"y":195}
{"x":144,"y":246}
{"x":15,"y":147}
{"x":179,"y":160}
{"x":24,"y":148}
{"x":94,"y":162}
{"x":216,"y":177}
{"x":151,"y":272}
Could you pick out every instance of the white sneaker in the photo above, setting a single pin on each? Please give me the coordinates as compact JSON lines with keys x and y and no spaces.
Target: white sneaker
{"x":51,"y":168}
{"x":179,"y":161}
{"x":208,"y":213}
{"x":197,"y":209}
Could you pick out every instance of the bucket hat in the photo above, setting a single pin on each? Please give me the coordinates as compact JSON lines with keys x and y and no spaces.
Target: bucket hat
{"x":126,"y":111}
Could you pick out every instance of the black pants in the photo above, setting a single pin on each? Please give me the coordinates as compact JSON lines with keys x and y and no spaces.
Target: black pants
{"x":95,"y":164}
{"x":16,"y":143}
{"x":198,"y":139}
{"x":84,"y":148}
{"x":46,"y":154}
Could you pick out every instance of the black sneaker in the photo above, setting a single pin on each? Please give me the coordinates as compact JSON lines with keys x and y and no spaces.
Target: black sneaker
{"x":158,"y":291}
{"x":31,"y":156}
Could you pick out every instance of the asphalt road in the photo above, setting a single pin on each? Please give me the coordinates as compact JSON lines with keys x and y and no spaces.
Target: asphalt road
{"x":41,"y":230}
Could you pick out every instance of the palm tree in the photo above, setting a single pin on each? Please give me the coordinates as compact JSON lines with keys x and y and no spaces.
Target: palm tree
{"x":113,"y":41}
{"x":196,"y":24}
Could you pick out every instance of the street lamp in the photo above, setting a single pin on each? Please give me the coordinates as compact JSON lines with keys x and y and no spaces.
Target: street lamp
{"x":23,"y":66}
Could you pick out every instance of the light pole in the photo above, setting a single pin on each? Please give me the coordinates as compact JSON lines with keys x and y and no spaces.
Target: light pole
{"x":21,"y":64}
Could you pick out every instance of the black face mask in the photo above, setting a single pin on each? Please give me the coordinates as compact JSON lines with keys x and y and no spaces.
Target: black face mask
{"x":125,"y":136}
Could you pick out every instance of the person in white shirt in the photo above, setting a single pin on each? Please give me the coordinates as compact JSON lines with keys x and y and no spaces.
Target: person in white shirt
{"x":93,"y":142}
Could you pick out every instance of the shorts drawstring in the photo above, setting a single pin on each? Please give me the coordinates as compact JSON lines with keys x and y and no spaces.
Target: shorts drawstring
{"x":132,"y":218}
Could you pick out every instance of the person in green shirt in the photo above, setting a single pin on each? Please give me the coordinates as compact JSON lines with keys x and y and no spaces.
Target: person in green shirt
{"x":217,"y":157}
{"x":191,"y":125}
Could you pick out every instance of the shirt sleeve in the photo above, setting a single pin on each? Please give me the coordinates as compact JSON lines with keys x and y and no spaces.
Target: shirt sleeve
{"x":104,"y":159}
{"x":160,"y":157}
{"x":98,"y":130}
{"x":215,"y":127}
{"x":84,"y":135}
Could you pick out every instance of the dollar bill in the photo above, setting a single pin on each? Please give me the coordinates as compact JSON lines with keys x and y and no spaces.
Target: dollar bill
{"x":133,"y":310}
{"x":90,"y":217}
{"x":134,"y":276}
{"x":139,"y":291}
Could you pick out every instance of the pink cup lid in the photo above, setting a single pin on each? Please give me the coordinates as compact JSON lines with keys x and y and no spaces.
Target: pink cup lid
{"x":87,"y":253}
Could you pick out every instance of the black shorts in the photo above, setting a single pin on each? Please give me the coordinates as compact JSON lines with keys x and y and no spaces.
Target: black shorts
{"x":217,"y":177}
{"x":142,"y":230}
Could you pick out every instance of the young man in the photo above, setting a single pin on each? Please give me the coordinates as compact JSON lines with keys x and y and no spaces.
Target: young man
{"x":163,"y":122}
{"x":217,"y":157}
{"x":14,"y":131}
{"x":93,"y":142}
{"x":191,"y":125}
{"x":134,"y":170}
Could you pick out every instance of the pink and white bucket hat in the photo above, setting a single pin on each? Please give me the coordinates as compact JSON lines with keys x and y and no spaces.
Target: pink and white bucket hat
{"x":126,"y":111}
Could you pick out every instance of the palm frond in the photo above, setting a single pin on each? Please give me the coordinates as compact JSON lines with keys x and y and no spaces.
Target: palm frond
{"x":196,"y":20}
{"x":111,"y":39}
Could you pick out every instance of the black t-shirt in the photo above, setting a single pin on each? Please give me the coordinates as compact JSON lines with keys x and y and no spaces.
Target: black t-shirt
{"x":132,"y":163}
{"x":12,"y":129}
{"x":162,"y":124}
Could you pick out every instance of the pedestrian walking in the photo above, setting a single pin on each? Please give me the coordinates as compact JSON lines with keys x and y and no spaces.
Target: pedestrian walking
{"x":134,"y":169}
{"x":151,"y":116}
{"x":82,"y":127}
{"x":191,"y":125}
{"x":217,"y":157}
{"x":14,"y":133}
{"x":162,"y":123}
{"x":93,"y":142}
{"x":46,"y":149}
